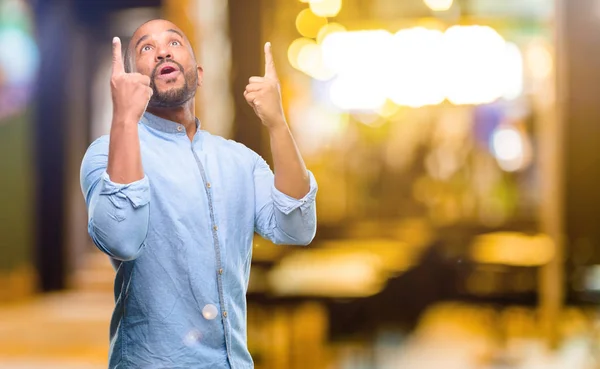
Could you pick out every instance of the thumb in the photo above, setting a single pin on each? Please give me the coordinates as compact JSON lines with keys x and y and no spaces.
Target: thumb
{"x":270,"y":71}
{"x":118,"y":67}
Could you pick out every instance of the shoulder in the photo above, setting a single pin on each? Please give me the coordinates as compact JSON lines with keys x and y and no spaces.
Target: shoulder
{"x":98,"y":145}
{"x":97,"y":152}
{"x":94,"y":162}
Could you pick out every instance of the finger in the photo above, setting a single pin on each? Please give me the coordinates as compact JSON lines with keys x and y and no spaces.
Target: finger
{"x":270,"y":71}
{"x":150,"y":92}
{"x":256,"y":79}
{"x":254,"y":87}
{"x":250,"y":97}
{"x":118,"y":67}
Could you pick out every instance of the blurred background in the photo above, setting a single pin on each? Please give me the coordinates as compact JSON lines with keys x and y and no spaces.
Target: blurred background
{"x":455,"y":144}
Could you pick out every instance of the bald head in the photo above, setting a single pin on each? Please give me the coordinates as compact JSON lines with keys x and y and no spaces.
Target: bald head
{"x":143,"y":33}
{"x":160,"y":50}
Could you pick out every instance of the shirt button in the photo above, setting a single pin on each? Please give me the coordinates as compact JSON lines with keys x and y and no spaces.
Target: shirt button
{"x":224,"y":314}
{"x":220,"y":271}
{"x":179,"y":128}
{"x":208,"y":185}
{"x":215,"y":228}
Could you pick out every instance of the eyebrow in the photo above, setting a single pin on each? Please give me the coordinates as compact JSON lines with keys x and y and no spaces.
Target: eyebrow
{"x":145,"y":37}
{"x":140,"y":40}
{"x":176,"y":31}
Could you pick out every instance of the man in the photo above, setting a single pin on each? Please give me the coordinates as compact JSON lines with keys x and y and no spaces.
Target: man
{"x":176,"y":208}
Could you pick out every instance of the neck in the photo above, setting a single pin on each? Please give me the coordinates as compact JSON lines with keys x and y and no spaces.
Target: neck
{"x":183,"y":115}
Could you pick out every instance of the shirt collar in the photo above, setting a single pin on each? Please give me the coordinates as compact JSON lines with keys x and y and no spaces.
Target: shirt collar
{"x":165,"y":125}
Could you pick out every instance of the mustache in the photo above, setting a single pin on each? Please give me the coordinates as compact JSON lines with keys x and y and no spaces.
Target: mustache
{"x":157,"y":67}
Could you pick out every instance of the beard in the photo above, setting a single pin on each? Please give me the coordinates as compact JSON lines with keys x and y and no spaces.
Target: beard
{"x":174,"y":97}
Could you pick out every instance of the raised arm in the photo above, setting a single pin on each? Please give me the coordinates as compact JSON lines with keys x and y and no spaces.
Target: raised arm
{"x":130,"y":95}
{"x":112,"y":177}
{"x":286,"y":210}
{"x":264,"y":96}
{"x":118,"y":214}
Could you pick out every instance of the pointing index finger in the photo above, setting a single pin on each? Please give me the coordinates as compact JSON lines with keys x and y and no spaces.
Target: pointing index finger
{"x":118,"y":66}
{"x":270,"y":71}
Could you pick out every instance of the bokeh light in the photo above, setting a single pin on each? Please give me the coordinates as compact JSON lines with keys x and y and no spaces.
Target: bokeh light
{"x":192,"y":337}
{"x":510,"y":148}
{"x":360,"y":60}
{"x":328,"y":29}
{"x":415,"y":68}
{"x":439,"y":5}
{"x":513,"y":72}
{"x":310,"y":61}
{"x":466,"y":65}
{"x":473,"y":58}
{"x":511,"y":248}
{"x":19,"y":57}
{"x":308,"y":24}
{"x":295,"y":48}
{"x":539,"y":60}
{"x":326,"y":8}
{"x":210,"y":312}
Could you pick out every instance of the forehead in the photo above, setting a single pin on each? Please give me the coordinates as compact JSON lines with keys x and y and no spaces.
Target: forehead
{"x":154,"y":29}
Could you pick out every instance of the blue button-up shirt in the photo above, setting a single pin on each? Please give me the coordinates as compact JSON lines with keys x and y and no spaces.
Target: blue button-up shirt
{"x":181,"y":243}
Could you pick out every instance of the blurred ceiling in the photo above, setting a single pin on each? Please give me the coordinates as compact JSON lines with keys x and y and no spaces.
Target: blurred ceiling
{"x":393,"y":10}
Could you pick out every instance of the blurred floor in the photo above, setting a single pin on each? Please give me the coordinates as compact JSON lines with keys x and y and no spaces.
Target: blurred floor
{"x":61,"y":330}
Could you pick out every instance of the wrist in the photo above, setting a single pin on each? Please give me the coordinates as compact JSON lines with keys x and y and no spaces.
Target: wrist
{"x":124,"y":128}
{"x":124,"y":120}
{"x":276,"y":125}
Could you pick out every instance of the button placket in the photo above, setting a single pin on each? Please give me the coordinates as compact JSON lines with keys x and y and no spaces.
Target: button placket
{"x":217,"y":246}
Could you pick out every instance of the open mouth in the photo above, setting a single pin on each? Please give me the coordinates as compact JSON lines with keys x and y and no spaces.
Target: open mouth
{"x":166,"y":70}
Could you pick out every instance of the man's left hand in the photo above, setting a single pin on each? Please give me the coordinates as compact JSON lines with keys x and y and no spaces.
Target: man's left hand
{"x":263,"y":94}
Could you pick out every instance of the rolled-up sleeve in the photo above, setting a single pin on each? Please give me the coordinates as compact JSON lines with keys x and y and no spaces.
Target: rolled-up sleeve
{"x":280,"y":218}
{"x":118,"y":214}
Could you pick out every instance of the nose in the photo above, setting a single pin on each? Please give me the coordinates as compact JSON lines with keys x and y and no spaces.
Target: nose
{"x":163,"y":53}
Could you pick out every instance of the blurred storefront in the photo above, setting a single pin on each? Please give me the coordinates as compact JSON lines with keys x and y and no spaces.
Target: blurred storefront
{"x":19,"y":63}
{"x":453,"y":143}
{"x":434,"y":130}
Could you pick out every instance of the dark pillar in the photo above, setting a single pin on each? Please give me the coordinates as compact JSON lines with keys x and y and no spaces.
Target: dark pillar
{"x":579,"y":101}
{"x":54,"y":21}
{"x":245,"y":29}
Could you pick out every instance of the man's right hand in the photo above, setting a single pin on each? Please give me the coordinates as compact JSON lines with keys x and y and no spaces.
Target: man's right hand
{"x":130,"y":91}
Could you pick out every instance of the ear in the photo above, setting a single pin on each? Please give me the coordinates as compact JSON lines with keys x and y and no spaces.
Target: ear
{"x":200,"y":75}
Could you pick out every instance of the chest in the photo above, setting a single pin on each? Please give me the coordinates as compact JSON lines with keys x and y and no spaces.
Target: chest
{"x":188,"y":181}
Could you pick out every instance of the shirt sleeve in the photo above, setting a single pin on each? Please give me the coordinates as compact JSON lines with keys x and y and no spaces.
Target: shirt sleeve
{"x":278,"y":217}
{"x":118,"y":214}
